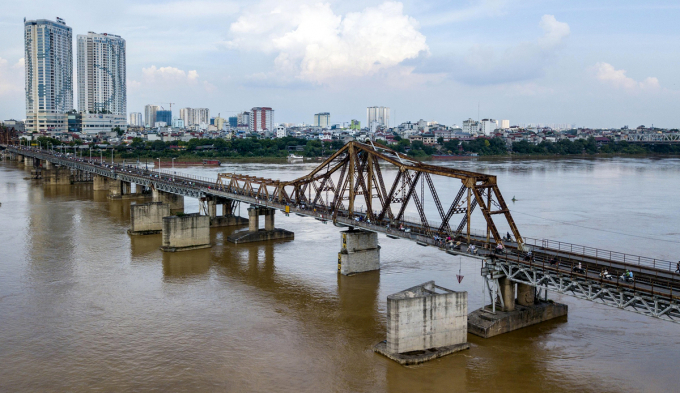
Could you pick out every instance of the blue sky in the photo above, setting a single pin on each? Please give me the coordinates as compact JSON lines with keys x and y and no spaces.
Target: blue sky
{"x":591,"y":63}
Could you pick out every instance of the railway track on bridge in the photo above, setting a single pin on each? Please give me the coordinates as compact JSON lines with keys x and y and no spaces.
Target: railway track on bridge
{"x":331,"y":192}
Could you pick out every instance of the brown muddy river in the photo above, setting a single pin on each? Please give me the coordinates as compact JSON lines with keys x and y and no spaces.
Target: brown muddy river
{"x":84,"y":306}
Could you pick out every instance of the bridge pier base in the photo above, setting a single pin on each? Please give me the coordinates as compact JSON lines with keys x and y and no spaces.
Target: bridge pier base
{"x":47,"y":165}
{"x":255,"y":234}
{"x":147,"y":218}
{"x":28,"y":162}
{"x":507,"y":314}
{"x":424,"y":323}
{"x":185,"y":232}
{"x":360,"y":252}
{"x":100,"y":183}
{"x":58,"y":176}
{"x":176,"y":202}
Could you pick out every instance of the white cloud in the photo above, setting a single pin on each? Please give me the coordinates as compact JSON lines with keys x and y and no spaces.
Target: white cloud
{"x":484,"y":65}
{"x":313,"y":43}
{"x":554,"y":31}
{"x":606,"y":73}
{"x":11,"y":77}
{"x":153,"y":74}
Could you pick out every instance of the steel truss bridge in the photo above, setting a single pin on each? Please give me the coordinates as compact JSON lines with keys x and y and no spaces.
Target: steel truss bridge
{"x":657,"y":138}
{"x":350,"y":190}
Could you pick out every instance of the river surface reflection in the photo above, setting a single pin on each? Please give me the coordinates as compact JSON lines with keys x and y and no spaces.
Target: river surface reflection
{"x":84,"y":306}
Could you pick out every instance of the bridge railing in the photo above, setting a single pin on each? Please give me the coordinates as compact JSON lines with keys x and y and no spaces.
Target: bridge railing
{"x":604,"y":255}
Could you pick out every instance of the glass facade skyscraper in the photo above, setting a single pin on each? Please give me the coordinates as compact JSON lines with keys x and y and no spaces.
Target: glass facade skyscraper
{"x":48,"y":55}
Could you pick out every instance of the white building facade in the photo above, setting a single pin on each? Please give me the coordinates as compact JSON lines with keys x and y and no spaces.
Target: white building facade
{"x":150,"y":115}
{"x":136,"y":119}
{"x":471,"y":126}
{"x":378,"y":116}
{"x":101,"y":77}
{"x":322,"y":120}
{"x":488,"y":126}
{"x":195,"y":117}
{"x":48,"y":63}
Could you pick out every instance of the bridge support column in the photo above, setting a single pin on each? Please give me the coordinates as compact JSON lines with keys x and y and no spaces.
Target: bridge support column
{"x":525,"y":294}
{"x":58,"y":176}
{"x":115,"y":189}
{"x":507,"y":292}
{"x":185,"y":232}
{"x":516,"y":314}
{"x":82,"y":177}
{"x":147,"y":218}
{"x":100,"y":183}
{"x":427,"y":319}
{"x":47,"y":164}
{"x":255,"y":234}
{"x":20,"y":158}
{"x":28,"y":162}
{"x":360,"y":252}
{"x":228,"y":218}
{"x":176,"y":202}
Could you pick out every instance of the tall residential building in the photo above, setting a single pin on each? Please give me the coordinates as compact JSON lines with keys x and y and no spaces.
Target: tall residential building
{"x":488,"y":126}
{"x":150,"y":115}
{"x":136,"y":119}
{"x":243,"y":119}
{"x":233,"y":121}
{"x":322,"y":120}
{"x":505,"y":124}
{"x":164,"y":116}
{"x":378,"y":116}
{"x":101,"y":74}
{"x":471,"y":126}
{"x":195,"y":116}
{"x":261,"y":119}
{"x":48,"y":54}
{"x":102,"y":96}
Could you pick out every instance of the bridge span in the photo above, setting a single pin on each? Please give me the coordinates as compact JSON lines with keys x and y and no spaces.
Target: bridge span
{"x":353,"y":176}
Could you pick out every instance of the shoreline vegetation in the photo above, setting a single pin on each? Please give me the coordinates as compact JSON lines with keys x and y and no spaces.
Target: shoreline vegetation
{"x":277,"y":149}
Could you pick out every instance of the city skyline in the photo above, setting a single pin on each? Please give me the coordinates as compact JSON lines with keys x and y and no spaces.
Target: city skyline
{"x":566,"y":62}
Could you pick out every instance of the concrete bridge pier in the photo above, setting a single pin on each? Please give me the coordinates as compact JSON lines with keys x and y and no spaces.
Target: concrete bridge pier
{"x":82,"y":176}
{"x":100,"y":183}
{"x":185,"y":232}
{"x":147,"y":218}
{"x":57,"y":175}
{"x":176,"y":202}
{"x":47,"y":165}
{"x":255,"y":234}
{"x":28,"y":162}
{"x":228,"y":218}
{"x":514,"y":312}
{"x":360,"y":252}
{"x":19,"y":158}
{"x":425,"y":322}
{"x":116,"y":189}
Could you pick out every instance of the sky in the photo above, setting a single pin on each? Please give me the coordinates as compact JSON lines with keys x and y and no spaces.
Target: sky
{"x":588,"y":63}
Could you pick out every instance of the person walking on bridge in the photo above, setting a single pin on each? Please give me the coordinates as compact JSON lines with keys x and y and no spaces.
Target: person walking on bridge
{"x":677,"y":270}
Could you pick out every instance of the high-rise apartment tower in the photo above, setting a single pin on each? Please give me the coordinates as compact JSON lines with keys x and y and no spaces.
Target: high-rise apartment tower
{"x":48,"y":55}
{"x":378,"y":116}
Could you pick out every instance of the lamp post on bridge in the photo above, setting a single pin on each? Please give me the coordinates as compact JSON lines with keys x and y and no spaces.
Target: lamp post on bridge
{"x":173,"y":162}
{"x":159,"y":165}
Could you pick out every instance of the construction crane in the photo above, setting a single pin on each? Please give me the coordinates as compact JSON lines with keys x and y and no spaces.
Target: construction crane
{"x":169,"y":103}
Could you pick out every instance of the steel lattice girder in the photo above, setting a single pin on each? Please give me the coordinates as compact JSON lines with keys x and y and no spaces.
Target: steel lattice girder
{"x":610,"y":295}
{"x":360,"y":174}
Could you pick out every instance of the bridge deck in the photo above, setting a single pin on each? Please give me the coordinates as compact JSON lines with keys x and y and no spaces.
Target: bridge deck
{"x":654,"y":278}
